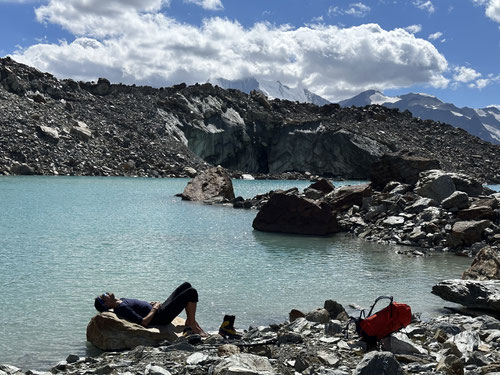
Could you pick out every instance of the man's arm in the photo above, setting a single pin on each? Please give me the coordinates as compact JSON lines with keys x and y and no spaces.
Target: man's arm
{"x":148,"y":318}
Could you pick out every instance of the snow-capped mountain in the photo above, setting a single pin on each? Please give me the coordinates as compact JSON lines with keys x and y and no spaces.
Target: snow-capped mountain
{"x":483,"y":123}
{"x":272,"y":89}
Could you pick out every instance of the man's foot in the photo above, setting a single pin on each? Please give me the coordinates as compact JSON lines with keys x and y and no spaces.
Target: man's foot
{"x":195,"y":328}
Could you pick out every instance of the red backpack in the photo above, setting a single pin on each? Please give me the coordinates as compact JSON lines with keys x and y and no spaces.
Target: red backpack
{"x":384,"y":322}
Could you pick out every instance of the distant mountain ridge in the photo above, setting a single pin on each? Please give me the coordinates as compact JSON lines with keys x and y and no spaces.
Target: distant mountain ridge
{"x":272,"y":89}
{"x":483,"y":123}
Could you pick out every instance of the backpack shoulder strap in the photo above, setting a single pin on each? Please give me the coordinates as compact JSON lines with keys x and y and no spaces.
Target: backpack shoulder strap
{"x":391,"y":298}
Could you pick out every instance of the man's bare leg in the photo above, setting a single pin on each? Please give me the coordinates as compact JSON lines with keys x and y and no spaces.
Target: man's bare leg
{"x":191,"y":321}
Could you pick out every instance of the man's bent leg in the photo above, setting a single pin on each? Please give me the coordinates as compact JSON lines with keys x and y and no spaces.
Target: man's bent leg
{"x":175,"y":303}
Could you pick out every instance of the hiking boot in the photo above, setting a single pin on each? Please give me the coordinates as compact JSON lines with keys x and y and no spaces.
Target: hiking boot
{"x":227,"y":330}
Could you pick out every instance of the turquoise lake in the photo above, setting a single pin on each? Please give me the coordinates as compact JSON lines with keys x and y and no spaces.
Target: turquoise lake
{"x":65,"y":240}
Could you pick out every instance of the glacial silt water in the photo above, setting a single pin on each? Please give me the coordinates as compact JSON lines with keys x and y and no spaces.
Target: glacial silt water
{"x":64,"y":240}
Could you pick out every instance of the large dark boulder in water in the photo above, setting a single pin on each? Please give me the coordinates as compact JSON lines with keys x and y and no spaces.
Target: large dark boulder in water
{"x":212,"y":186}
{"x":485,"y":266}
{"x":399,"y":167}
{"x":292,"y":214}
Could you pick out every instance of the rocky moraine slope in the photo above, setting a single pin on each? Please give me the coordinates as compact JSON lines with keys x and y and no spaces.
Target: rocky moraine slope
{"x":51,"y":126}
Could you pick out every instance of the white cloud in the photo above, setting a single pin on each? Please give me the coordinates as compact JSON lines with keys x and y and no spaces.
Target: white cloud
{"x":425,"y":5}
{"x":464,"y":74}
{"x":354,"y":9}
{"x":435,"y":36}
{"x":493,"y":10}
{"x":317,"y":19}
{"x":413,"y":29}
{"x":358,"y":10}
{"x":207,"y":4}
{"x":140,"y":45}
{"x":482,"y":83}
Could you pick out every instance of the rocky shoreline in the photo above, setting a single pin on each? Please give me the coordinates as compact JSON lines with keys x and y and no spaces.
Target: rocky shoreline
{"x":311,"y":343}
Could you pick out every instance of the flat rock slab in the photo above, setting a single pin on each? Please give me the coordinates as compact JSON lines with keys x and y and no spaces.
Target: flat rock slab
{"x":108,"y":332}
{"x":471,"y":293}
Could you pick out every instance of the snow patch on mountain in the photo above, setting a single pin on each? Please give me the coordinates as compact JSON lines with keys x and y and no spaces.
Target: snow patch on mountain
{"x":481,"y":122}
{"x":272,"y":89}
{"x":379,"y":98}
{"x":495,"y":133}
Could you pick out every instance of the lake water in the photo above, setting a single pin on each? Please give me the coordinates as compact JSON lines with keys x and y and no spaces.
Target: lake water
{"x":64,"y":240}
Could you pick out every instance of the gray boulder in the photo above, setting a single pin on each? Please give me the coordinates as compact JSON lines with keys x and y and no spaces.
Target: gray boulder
{"x":212,"y":186}
{"x":323,"y":185}
{"x":244,"y":364}
{"x":83,"y":133}
{"x":335,"y":309}
{"x":470,"y":293}
{"x":48,"y":133}
{"x":399,"y":343}
{"x":378,"y":363}
{"x":485,"y":266}
{"x":467,"y":342}
{"x":347,"y":196}
{"x":466,"y":232}
{"x":291,"y":214}
{"x":457,"y":200}
{"x":419,"y":205}
{"x":318,"y":316}
{"x":435,"y":184}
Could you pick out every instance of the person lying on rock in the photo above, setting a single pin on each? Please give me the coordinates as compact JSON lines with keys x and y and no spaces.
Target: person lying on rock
{"x":154,"y":313}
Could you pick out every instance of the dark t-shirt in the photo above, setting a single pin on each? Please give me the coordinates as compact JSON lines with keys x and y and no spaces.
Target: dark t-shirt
{"x":132,"y":310}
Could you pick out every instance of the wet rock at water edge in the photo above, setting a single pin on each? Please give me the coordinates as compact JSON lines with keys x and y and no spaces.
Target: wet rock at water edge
{"x":335,"y":309}
{"x":467,"y":232}
{"x":108,"y":332}
{"x":485,"y":266}
{"x":470,"y":293}
{"x":211,"y":186}
{"x":318,"y":315}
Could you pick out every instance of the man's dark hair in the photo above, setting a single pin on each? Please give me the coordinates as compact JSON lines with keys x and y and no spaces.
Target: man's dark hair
{"x":99,"y":305}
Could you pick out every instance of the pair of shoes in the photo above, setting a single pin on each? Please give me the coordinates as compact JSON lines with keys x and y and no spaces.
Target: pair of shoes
{"x":227,"y":330}
{"x":191,"y":337}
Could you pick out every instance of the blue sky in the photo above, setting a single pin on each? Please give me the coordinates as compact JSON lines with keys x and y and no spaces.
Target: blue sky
{"x":335,"y":48}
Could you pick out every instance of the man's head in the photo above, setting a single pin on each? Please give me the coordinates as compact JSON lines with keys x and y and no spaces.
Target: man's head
{"x":104,"y":302}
